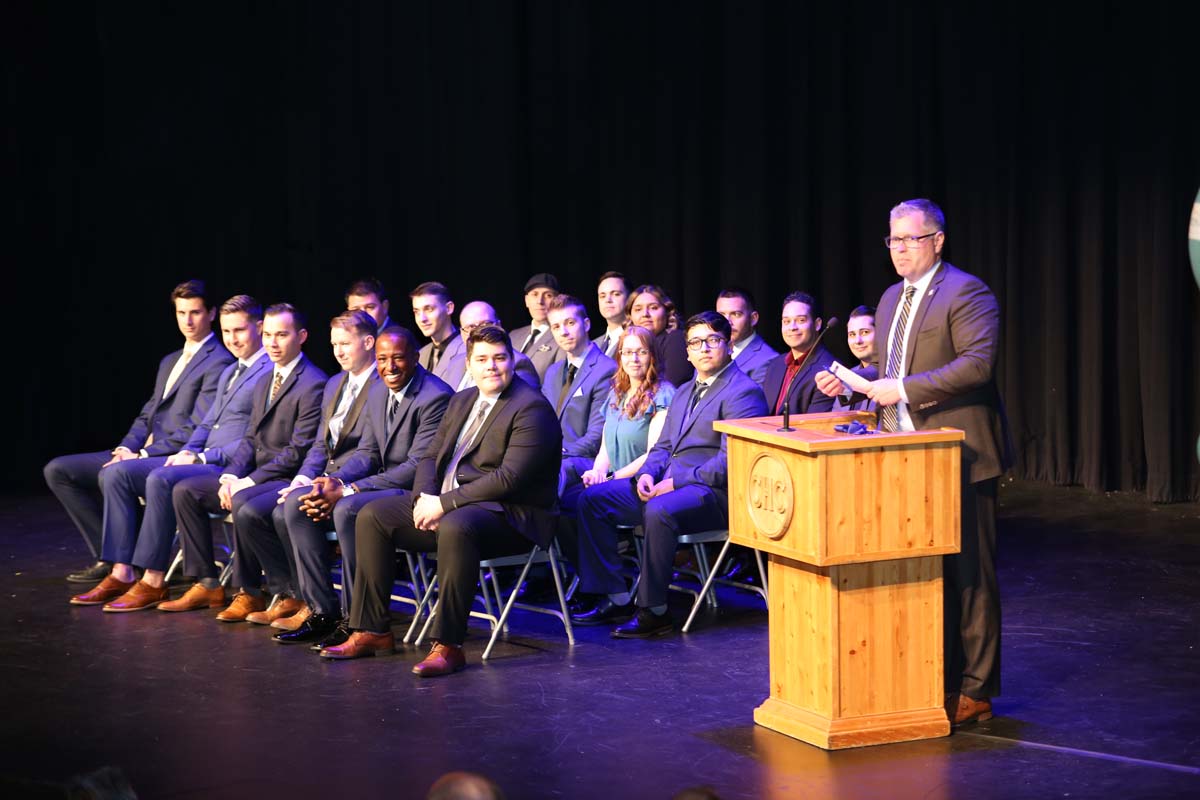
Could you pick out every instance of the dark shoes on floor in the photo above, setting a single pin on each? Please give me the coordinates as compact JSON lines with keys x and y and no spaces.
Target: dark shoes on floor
{"x":645,"y":625}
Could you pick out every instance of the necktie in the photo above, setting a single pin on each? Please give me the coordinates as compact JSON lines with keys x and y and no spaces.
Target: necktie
{"x":393,"y":406}
{"x":436,"y":355}
{"x":565,"y":391}
{"x":237,"y":373}
{"x":450,"y":479}
{"x":889,"y":416}
{"x":341,"y":412}
{"x":275,"y":386}
{"x":697,"y":395}
{"x":176,"y":371}
{"x":611,"y":349}
{"x":534,"y":333}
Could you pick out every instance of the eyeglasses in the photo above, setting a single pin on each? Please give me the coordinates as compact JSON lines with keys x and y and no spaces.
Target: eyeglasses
{"x":894,"y":242}
{"x":469,"y":329}
{"x":631,"y":353}
{"x":712,"y":341}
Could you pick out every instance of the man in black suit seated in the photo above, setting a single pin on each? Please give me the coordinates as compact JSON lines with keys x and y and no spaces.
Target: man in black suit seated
{"x":184,"y":390}
{"x":860,"y":336}
{"x":787,"y":383}
{"x":486,"y":488}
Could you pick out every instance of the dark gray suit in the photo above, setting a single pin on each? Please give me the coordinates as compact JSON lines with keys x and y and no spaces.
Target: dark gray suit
{"x":543,"y":351}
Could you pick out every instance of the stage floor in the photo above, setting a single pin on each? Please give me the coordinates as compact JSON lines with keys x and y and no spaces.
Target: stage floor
{"x":1101,"y":674}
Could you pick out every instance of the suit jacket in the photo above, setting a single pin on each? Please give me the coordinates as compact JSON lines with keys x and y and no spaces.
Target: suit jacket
{"x":754,"y":359}
{"x":325,"y":457}
{"x":950,"y":365}
{"x":803,"y":395}
{"x":278,"y":435}
{"x":225,"y":424}
{"x":688,"y":449}
{"x":601,"y":342}
{"x":670,"y":348}
{"x":173,"y":418}
{"x":387,"y":458}
{"x":856,"y":401}
{"x":447,"y":368}
{"x":510,"y":467}
{"x":543,"y":352}
{"x":582,"y":414}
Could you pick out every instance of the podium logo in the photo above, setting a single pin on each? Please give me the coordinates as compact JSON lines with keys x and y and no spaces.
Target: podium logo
{"x":770,"y":497}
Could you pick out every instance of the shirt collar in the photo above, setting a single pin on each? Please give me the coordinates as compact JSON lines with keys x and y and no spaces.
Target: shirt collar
{"x":709,"y":382}
{"x":286,"y":369}
{"x":191,"y":347}
{"x":744,"y":343}
{"x":249,"y":362}
{"x":923,"y":282}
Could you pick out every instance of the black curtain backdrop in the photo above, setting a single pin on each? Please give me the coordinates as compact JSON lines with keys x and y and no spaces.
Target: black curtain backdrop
{"x":284,"y":148}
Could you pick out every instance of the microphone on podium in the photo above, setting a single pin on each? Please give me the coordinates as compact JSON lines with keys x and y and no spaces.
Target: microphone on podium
{"x":786,"y":427}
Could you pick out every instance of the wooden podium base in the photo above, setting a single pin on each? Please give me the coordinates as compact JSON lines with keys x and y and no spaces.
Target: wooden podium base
{"x":904,"y":726}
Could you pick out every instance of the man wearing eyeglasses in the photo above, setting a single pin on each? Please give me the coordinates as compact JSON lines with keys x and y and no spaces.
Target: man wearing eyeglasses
{"x":943,"y":334}
{"x":681,"y":488}
{"x":477,"y":314}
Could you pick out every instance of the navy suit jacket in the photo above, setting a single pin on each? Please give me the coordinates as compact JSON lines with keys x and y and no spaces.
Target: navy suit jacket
{"x":387,"y":459}
{"x":688,"y":450}
{"x":755,"y":358}
{"x":225,"y":424}
{"x":453,"y":361}
{"x":803,"y":395}
{"x":582,"y":414}
{"x":510,"y":467}
{"x":325,"y":458}
{"x":279,"y":435}
{"x":173,"y":418}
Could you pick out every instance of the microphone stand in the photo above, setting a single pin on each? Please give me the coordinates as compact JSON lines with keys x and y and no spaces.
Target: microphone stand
{"x":787,"y":428}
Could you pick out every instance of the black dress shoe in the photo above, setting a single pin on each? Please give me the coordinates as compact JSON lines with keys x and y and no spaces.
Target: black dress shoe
{"x":340,"y":635}
{"x":93,"y":574}
{"x":313,"y":629}
{"x":644,"y":626}
{"x":604,"y":612}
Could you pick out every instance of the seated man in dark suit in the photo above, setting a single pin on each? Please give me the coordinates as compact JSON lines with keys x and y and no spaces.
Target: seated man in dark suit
{"x":398,"y":423}
{"x":433,"y":311}
{"x":368,"y":294}
{"x":259,"y":520}
{"x":486,"y":488}
{"x":477,"y":314}
{"x":184,"y":389}
{"x":149,"y":547}
{"x":860,"y":336}
{"x":611,"y":294}
{"x":535,"y":339}
{"x":680,"y":488}
{"x":790,"y":378}
{"x":283,"y":424}
{"x":750,"y":352}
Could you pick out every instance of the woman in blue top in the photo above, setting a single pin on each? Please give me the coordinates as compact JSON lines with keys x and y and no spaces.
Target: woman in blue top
{"x":634,"y":412}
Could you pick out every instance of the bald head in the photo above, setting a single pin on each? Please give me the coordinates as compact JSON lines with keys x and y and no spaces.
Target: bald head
{"x":464,"y":785}
{"x":476,"y":314}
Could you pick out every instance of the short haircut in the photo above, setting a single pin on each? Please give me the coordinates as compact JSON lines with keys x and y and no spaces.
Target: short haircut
{"x":401,"y":333}
{"x":356,"y":322}
{"x":614,"y":274}
{"x":365,"y":286}
{"x":565,"y":301}
{"x":814,"y":308}
{"x":738,"y":291}
{"x":933,"y":214}
{"x":863,"y":311}
{"x":434,"y":288}
{"x":712,"y":319}
{"x":489,"y":334}
{"x":243,"y":304}
{"x":190,"y":289}
{"x":287,"y":308}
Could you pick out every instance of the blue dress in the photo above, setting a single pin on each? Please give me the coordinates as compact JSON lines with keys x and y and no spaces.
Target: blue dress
{"x":625,"y":439}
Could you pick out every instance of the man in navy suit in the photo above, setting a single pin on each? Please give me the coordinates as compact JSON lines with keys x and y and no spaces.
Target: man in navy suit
{"x":790,"y":378}
{"x":485,"y":488}
{"x":286,"y":412}
{"x":184,"y":389}
{"x":399,"y":421}
{"x":860,"y":336}
{"x":368,"y":294}
{"x":154,"y":477}
{"x":681,"y":487}
{"x":750,"y":352}
{"x":433,"y":311}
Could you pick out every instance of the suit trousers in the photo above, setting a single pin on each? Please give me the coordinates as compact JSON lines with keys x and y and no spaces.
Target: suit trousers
{"x":664,"y":519}
{"x":259,"y":533}
{"x":464,"y":536}
{"x":121,"y":484}
{"x":972,"y":598}
{"x":194,"y":498}
{"x":345,"y":514}
{"x":75,"y":481}
{"x":311,"y":554}
{"x":157,"y":534}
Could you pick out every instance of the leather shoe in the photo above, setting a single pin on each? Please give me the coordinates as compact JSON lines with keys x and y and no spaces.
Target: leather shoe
{"x":963,"y":710}
{"x":313,"y":629}
{"x":294,"y":621}
{"x":109,"y":589}
{"x":443,"y":659}
{"x":139,"y":597}
{"x":605,"y":612}
{"x":284,"y":607}
{"x":196,"y":597}
{"x":362,"y":643}
{"x":93,"y":574}
{"x":339,"y":636}
{"x":644,"y":626}
{"x":243,"y":604}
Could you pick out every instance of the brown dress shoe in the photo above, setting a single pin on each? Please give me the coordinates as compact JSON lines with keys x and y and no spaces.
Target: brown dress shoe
{"x":443,"y":659}
{"x":284,"y":607}
{"x":196,"y":597}
{"x":108,"y":589}
{"x":141,"y":596}
{"x":362,"y":643}
{"x":243,"y":604}
{"x":293,"y":622}
{"x":963,"y":710}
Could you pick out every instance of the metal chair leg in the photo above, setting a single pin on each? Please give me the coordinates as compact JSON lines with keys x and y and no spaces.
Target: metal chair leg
{"x":707,"y":587}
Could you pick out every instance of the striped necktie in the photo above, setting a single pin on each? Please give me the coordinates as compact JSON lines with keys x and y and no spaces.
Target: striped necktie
{"x":889,"y":416}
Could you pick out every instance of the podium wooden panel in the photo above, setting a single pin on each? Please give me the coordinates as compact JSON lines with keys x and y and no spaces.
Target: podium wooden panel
{"x":855,"y":528}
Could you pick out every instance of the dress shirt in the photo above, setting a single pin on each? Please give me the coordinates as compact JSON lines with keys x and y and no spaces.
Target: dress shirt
{"x":743,"y":344}
{"x":903,"y":420}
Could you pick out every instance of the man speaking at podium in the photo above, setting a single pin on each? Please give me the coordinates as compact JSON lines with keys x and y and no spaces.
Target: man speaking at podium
{"x":938,"y":363}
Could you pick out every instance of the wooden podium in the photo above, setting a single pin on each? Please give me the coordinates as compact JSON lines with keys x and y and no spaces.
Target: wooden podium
{"x":855,"y":528}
